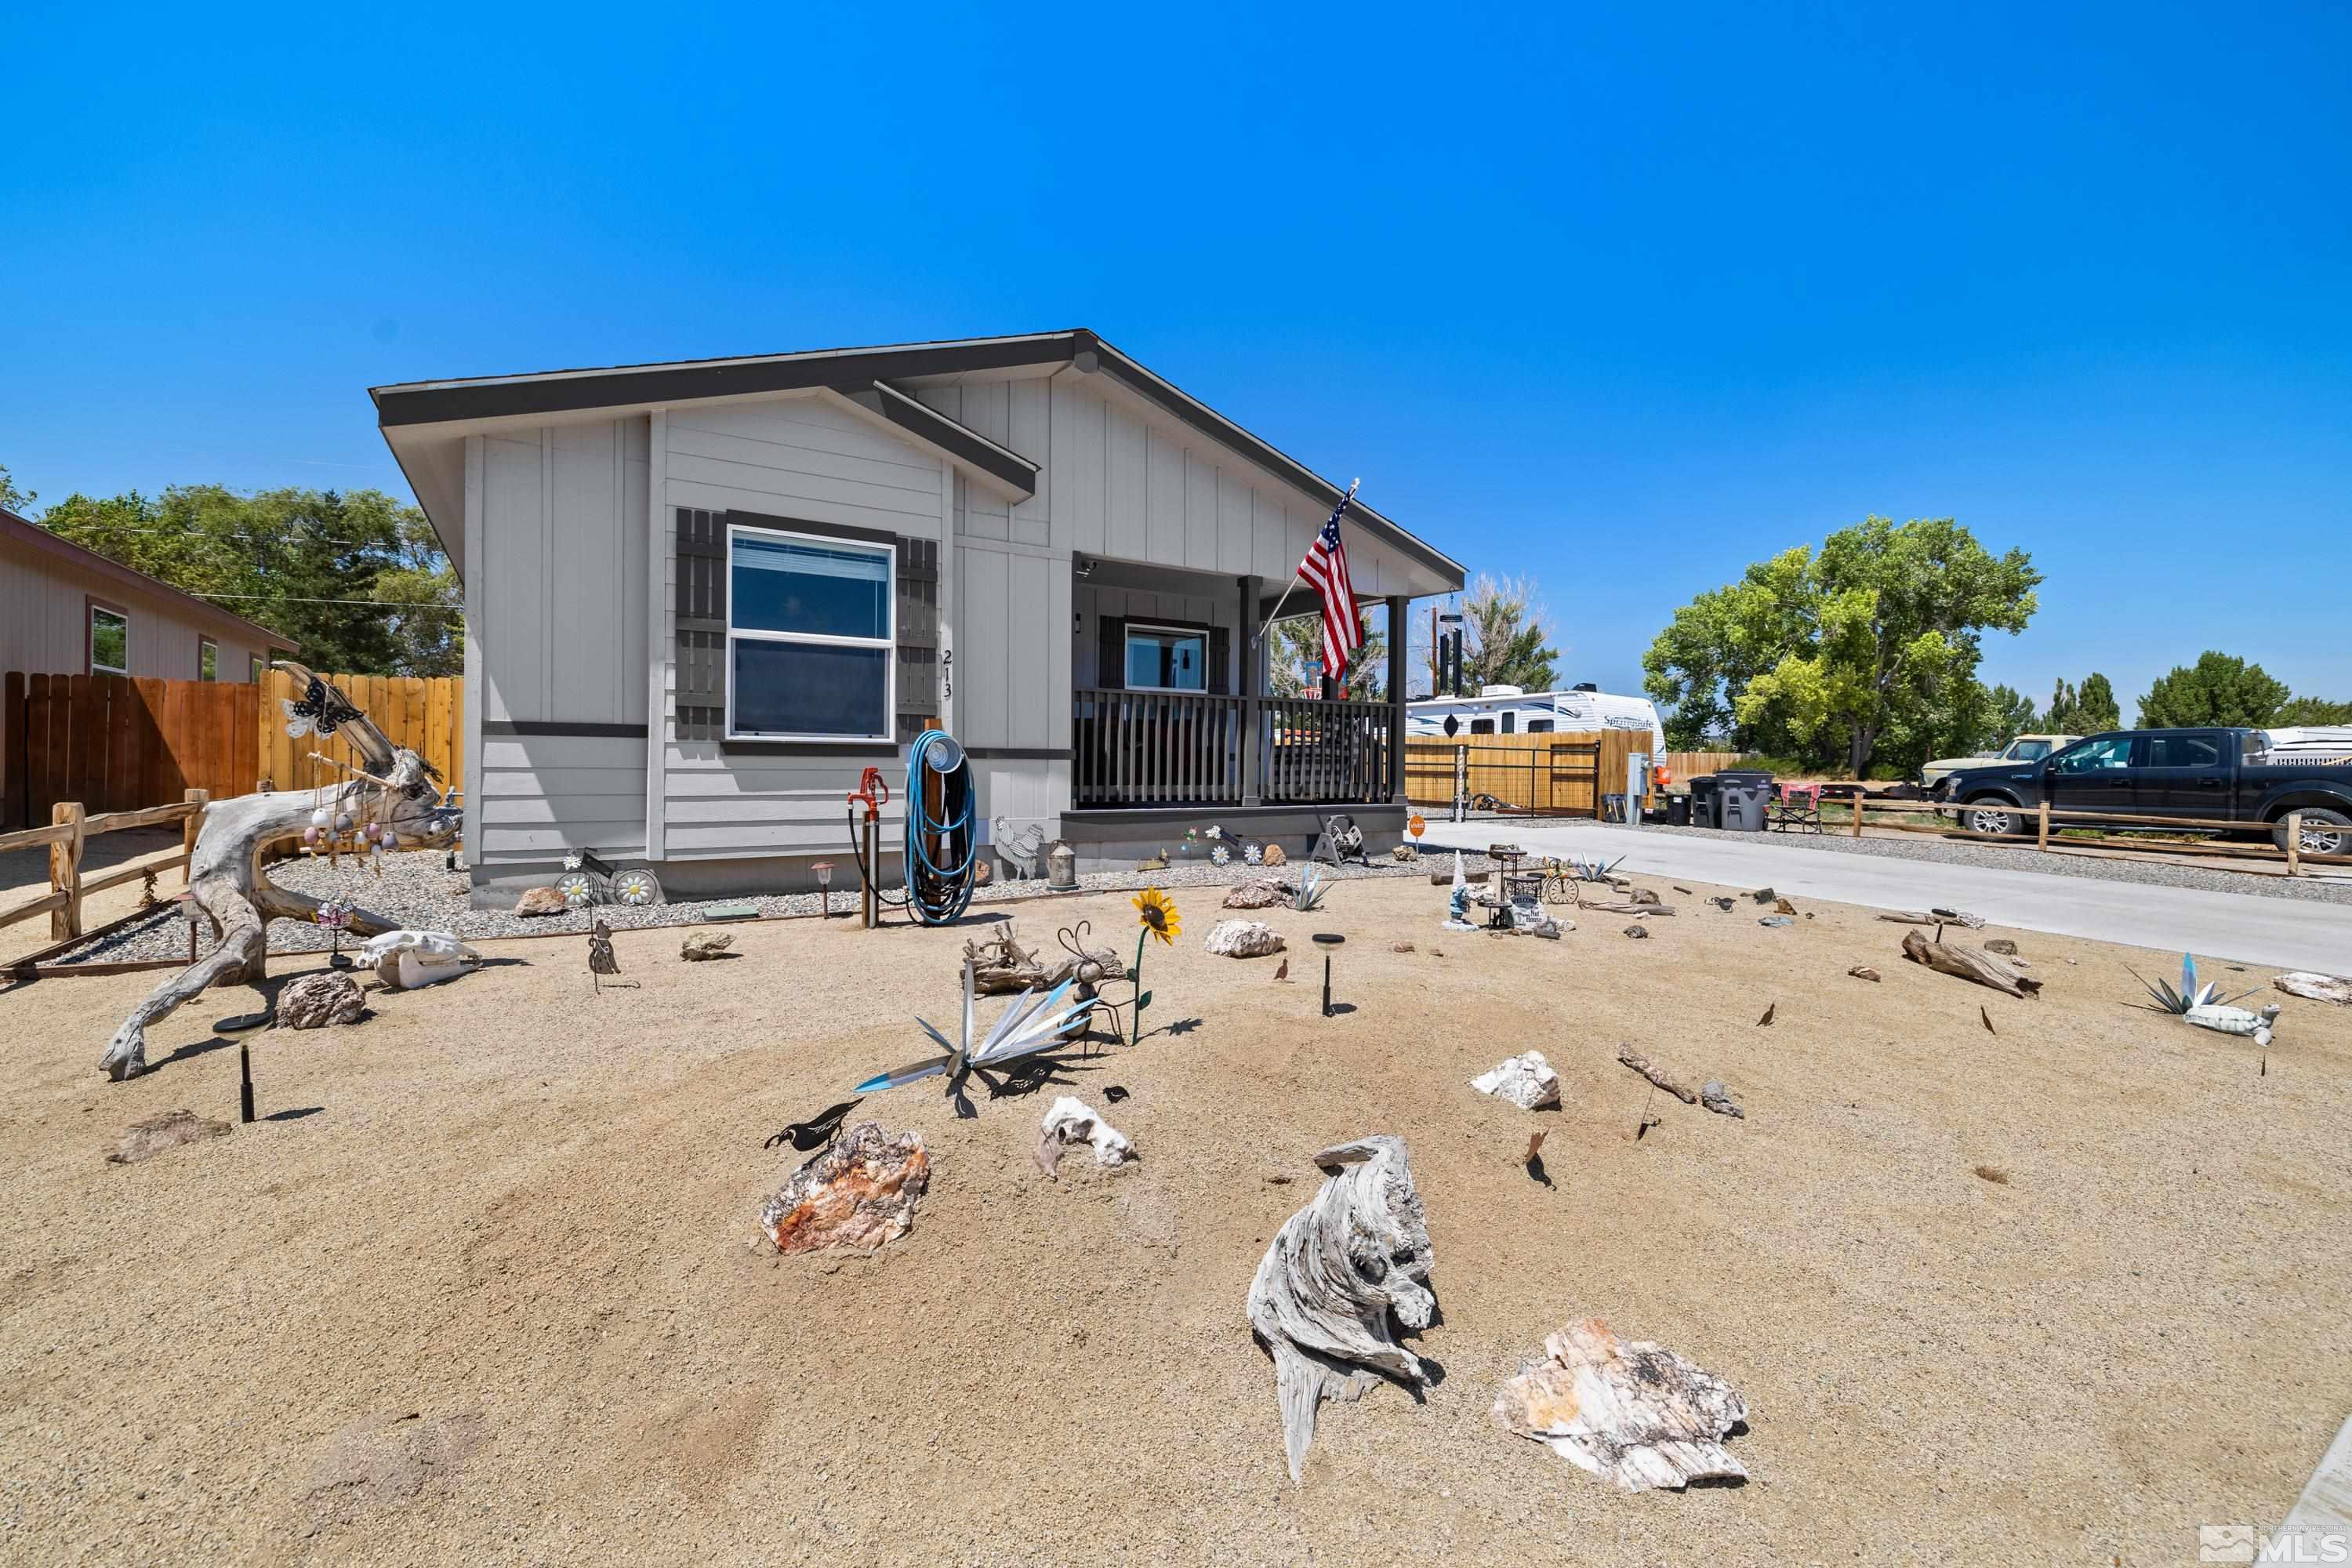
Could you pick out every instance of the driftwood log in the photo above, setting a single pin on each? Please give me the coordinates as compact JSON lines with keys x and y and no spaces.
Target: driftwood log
{"x":1629,"y":1410}
{"x":396,"y":789}
{"x":1342,"y":1274}
{"x":1968,"y":964}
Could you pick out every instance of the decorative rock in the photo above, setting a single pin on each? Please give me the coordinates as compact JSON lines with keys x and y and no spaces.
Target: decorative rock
{"x":860,"y":1191}
{"x":2310,"y":985}
{"x":701,"y":946}
{"x":1527,"y":1082}
{"x":1275,"y":857}
{"x":1400,"y":947}
{"x":1257,"y":893}
{"x":1073,"y":1121}
{"x":1633,"y":1411}
{"x":1711,"y":1094}
{"x":1244,"y":939}
{"x":1863,"y":972}
{"x":158,"y":1134}
{"x":1764,"y":895}
{"x":317,"y":1000}
{"x":540,"y":901}
{"x":1637,"y":930}
{"x":1776,"y":920}
{"x":2001,"y":945}
{"x":1400,"y":853}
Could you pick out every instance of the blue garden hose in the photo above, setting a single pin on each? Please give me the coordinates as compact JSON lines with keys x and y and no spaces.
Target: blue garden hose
{"x":940,"y":894}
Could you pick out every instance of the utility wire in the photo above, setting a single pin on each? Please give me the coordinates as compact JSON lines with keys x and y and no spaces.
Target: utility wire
{"x":284,"y":599}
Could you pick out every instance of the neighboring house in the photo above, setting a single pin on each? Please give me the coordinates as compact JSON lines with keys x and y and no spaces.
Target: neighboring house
{"x":702,"y":597}
{"x":65,"y":610}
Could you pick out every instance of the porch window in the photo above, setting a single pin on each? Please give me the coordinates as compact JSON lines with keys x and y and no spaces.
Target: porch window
{"x":810,"y":638}
{"x":1162,"y":658}
{"x":110,"y":641}
{"x":207,"y":659}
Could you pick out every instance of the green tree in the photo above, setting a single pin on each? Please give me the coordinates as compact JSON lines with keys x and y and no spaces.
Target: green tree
{"x":2084,"y":711}
{"x":2298,"y":711}
{"x":1295,"y":660}
{"x":2012,"y":715}
{"x":1505,"y":642}
{"x":2219,"y":690}
{"x":13,"y":497}
{"x":1875,"y":638}
{"x":356,"y":578}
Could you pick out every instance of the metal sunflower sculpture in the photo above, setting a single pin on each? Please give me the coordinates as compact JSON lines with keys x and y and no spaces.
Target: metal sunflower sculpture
{"x":1157,"y":915}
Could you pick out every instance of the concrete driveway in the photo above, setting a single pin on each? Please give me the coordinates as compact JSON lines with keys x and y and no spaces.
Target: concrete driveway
{"x":2291,"y":933}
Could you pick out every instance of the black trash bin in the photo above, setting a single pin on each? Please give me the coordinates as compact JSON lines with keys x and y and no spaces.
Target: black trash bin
{"x":1706,"y":800}
{"x":1678,"y":811}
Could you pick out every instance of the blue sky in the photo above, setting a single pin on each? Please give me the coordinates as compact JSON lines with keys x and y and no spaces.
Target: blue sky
{"x":1622,"y":301}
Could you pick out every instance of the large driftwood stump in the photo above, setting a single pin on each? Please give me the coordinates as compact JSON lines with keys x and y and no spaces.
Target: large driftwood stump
{"x":1339,"y":1271}
{"x":396,"y":790}
{"x":1968,"y":964}
{"x":1633,"y":1411}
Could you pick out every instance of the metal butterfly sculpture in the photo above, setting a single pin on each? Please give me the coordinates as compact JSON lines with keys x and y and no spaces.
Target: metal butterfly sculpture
{"x":321,"y":710}
{"x":1035,"y":1021}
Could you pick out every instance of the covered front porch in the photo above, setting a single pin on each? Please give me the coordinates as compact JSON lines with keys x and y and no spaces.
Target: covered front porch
{"x":1171,"y":707}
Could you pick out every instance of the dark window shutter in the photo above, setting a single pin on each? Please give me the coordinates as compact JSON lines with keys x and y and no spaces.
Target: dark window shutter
{"x":702,"y":624}
{"x":1110,"y":672}
{"x":918,"y":636}
{"x":1221,"y":654}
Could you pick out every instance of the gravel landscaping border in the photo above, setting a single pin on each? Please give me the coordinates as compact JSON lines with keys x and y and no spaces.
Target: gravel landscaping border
{"x":1964,"y":852}
{"x":418,"y":892}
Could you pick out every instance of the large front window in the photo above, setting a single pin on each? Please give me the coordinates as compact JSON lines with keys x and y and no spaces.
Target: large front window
{"x":1160,"y":659}
{"x":809,"y":638}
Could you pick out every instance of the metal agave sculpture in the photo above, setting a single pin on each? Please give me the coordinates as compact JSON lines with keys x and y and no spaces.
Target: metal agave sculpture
{"x":2190,"y":995}
{"x":1313,"y":883}
{"x":1035,"y":1021}
{"x":1594,"y":870}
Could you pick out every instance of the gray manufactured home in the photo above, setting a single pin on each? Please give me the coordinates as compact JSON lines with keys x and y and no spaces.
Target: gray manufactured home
{"x":702,"y":597}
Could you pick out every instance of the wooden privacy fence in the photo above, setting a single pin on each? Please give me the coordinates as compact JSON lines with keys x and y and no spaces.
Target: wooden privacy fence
{"x":1565,"y":773}
{"x":68,"y":834}
{"x":1687,"y":765}
{"x":116,"y":745}
{"x":426,"y":714}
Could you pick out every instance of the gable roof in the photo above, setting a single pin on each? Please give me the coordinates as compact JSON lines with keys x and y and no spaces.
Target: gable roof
{"x":24,"y":531}
{"x":864,"y":374}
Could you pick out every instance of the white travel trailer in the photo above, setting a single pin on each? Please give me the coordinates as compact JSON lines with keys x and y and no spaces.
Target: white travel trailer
{"x":1508,"y":711}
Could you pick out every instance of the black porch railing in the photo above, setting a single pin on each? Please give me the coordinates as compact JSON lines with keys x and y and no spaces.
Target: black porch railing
{"x":1139,"y":749}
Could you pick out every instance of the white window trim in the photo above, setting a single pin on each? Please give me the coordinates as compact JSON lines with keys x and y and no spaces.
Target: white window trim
{"x":213,"y":643}
{"x":889,"y":644}
{"x":90,"y":633}
{"x":1133,"y":626}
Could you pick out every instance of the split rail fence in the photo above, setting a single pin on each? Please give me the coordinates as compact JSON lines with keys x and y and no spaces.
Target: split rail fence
{"x":2044,"y":821}
{"x":117,"y":744}
{"x":69,"y":835}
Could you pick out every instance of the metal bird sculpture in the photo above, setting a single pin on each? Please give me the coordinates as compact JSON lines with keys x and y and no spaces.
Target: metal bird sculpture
{"x":817,"y":1132}
{"x":1035,"y":1021}
{"x":601,"y":961}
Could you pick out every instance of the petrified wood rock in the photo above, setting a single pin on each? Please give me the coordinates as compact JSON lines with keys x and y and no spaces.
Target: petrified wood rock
{"x":2313,"y":987}
{"x":145,"y":1139}
{"x":1243,"y":938}
{"x":702,"y":946}
{"x":1629,"y":1410}
{"x":1342,"y":1274}
{"x":317,"y":1000}
{"x":860,"y":1192}
{"x":1257,"y":893}
{"x":540,"y":901}
{"x":1968,"y":964}
{"x":1527,"y":1082}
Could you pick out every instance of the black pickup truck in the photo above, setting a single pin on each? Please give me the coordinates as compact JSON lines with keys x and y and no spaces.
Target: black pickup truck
{"x":2218,"y":776}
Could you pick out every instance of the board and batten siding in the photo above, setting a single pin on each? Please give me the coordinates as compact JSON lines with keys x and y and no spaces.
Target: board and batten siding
{"x":1121,"y":479}
{"x":558,"y":615}
{"x":810,"y":458}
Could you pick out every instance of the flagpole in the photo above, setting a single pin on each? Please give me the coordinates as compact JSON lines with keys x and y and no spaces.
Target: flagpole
{"x":1294,"y":573}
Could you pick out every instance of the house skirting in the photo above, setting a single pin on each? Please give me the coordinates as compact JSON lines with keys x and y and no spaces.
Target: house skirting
{"x":1114,"y":840}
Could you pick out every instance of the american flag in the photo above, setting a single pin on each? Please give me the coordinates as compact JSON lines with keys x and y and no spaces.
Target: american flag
{"x":1326,"y":568}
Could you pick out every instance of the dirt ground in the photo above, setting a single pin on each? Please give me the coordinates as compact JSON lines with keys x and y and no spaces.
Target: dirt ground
{"x":481,"y":1287}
